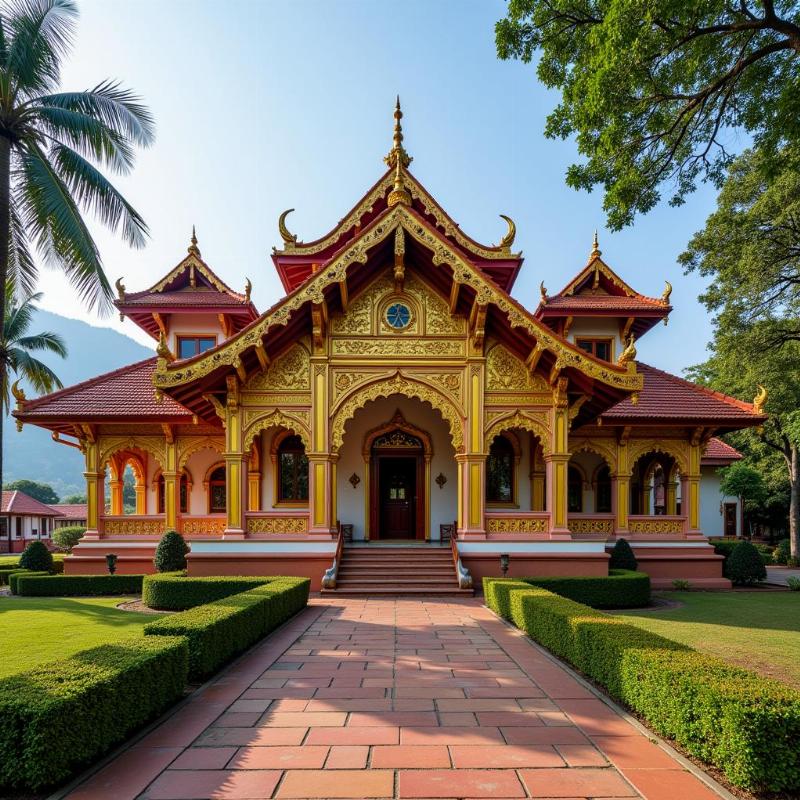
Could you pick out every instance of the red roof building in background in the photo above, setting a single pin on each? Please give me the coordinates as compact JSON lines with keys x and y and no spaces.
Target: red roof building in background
{"x":24,"y":519}
{"x":395,"y":388}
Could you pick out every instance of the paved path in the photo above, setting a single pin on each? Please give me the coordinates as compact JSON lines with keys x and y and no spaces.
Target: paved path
{"x":778,"y":575}
{"x":387,"y":699}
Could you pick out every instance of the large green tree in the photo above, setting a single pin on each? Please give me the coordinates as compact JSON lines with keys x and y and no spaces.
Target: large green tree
{"x":651,"y":89}
{"x":42,"y":492}
{"x":53,"y":145}
{"x":749,"y":250}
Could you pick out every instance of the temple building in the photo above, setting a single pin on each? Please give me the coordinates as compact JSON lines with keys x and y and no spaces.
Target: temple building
{"x":398,"y":393}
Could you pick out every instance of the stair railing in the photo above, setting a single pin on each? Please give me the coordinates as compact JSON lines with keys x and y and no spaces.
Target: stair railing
{"x":329,"y":578}
{"x":462,"y":573}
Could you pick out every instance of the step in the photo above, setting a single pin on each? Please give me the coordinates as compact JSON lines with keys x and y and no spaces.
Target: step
{"x":398,"y":592}
{"x":383,"y":581}
{"x":397,"y":560}
{"x":430,"y":573}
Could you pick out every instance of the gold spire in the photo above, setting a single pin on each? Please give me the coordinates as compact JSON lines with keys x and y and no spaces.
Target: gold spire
{"x":760,"y":400}
{"x":193,"y":248}
{"x":596,"y":251}
{"x":397,"y":141}
{"x":399,"y":194}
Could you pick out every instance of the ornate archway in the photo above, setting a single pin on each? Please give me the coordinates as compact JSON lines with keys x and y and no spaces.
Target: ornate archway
{"x":276,"y":419}
{"x":402,"y":385}
{"x":518,"y":419}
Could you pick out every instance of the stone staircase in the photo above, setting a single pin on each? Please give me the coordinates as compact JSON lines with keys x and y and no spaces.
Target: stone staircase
{"x":422,"y":570}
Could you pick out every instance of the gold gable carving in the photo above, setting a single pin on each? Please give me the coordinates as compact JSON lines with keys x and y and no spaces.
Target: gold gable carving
{"x":154,"y":445}
{"x":296,"y":422}
{"x":189,"y":445}
{"x":506,"y":373}
{"x":537,"y":422}
{"x":290,"y":371}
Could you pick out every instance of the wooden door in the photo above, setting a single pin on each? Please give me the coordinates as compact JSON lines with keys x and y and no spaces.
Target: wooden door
{"x":730,"y":519}
{"x":397,"y":497}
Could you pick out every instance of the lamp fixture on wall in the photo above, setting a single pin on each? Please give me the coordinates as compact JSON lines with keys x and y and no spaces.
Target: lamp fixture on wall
{"x":441,"y":480}
{"x":354,"y":480}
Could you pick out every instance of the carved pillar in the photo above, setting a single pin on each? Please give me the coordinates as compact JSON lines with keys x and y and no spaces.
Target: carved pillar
{"x":95,"y":500}
{"x":254,"y":478}
{"x":621,"y":488}
{"x":557,"y":463}
{"x":235,"y":464}
{"x":321,"y":466}
{"x":115,"y":492}
{"x":538,"y":471}
{"x":171,"y":485}
{"x":690,"y":491}
{"x":671,"y":489}
{"x":141,"y":497}
{"x":472,"y":463}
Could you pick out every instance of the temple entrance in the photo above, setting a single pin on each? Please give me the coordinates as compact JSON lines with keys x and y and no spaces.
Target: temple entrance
{"x":397,"y":492}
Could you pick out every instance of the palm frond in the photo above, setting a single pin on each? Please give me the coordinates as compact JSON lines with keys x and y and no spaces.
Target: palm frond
{"x":47,"y":340}
{"x":41,"y":34}
{"x":36,"y":373}
{"x":121,"y":110}
{"x":87,"y":135}
{"x":51,"y":215}
{"x":18,"y":317}
{"x":22,"y":271}
{"x":92,"y":190}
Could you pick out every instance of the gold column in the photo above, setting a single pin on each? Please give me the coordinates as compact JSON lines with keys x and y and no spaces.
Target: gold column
{"x":557,"y":462}
{"x":171,"y":485}
{"x":115,"y":491}
{"x":235,"y":464}
{"x":672,"y":496}
{"x":95,"y":501}
{"x":141,"y":497}
{"x":537,"y":477}
{"x":472,"y":464}
{"x":621,"y":487}
{"x":254,"y":479}
{"x":321,"y":470}
{"x":693,"y":488}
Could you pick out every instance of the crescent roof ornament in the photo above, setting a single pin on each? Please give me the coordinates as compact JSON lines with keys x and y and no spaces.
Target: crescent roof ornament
{"x":248,"y":288}
{"x":19,"y":394}
{"x":511,"y":233}
{"x":667,"y":293}
{"x":120,"y":288}
{"x":287,"y":236}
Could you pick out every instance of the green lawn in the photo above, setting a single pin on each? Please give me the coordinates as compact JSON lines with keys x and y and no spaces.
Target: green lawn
{"x":38,"y":629}
{"x":759,"y":631}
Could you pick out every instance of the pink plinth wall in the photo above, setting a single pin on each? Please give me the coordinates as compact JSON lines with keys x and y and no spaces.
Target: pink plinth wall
{"x":301,"y":565}
{"x":701,"y":566}
{"x":487,"y":565}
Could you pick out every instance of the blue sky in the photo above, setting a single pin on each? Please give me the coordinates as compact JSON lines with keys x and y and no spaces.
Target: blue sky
{"x":262,"y":106}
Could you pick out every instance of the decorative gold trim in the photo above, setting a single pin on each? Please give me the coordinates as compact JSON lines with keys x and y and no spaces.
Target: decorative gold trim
{"x":516,"y":525}
{"x":277,"y":524}
{"x":276,"y":418}
{"x":518,"y":419}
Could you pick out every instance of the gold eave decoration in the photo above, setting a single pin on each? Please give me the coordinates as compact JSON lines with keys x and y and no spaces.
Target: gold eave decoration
{"x":759,"y":401}
{"x":335,"y":271}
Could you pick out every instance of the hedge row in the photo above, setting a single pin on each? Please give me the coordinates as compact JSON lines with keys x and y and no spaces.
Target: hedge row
{"x":15,"y":577}
{"x":12,"y":562}
{"x":174,"y":591}
{"x":622,"y":588}
{"x":220,"y":630}
{"x":60,"y":716}
{"x":38,"y":584}
{"x":724,"y":547}
{"x":745,"y":724}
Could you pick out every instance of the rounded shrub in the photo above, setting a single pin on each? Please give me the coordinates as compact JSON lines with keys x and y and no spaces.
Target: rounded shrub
{"x":36,"y":558}
{"x":622,"y":556}
{"x":67,"y":537}
{"x":171,"y":553}
{"x":745,"y":565}
{"x":782,"y":552}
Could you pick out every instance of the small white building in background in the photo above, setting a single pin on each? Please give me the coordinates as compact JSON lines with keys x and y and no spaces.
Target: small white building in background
{"x":720,"y":515}
{"x":23,"y":520}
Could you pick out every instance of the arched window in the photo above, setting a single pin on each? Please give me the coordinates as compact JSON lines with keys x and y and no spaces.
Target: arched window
{"x":500,"y":471}
{"x":574,"y":491}
{"x":184,"y":493}
{"x":602,"y":490}
{"x":217,"y":492}
{"x":292,"y":471}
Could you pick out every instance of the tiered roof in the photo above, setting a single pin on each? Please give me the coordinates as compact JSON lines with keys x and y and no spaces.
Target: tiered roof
{"x":597,"y":291}
{"x":719,"y":453}
{"x":192,"y":286}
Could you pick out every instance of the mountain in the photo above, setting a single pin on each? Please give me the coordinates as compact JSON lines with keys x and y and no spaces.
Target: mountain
{"x":92,"y":351}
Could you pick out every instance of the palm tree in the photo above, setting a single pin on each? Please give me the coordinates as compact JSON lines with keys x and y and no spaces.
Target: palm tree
{"x":53,"y":145}
{"x":17,"y":345}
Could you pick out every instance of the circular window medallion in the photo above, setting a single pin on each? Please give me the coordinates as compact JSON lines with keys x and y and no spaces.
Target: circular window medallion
{"x":398,"y":316}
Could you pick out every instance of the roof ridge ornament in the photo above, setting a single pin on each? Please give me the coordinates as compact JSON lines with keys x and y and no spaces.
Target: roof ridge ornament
{"x":760,"y":400}
{"x":628,"y":355}
{"x":596,"y":251}
{"x":399,"y":194}
{"x":288,"y":237}
{"x":193,"y":249}
{"x":667,"y":292}
{"x":511,"y":233}
{"x":391,"y":157}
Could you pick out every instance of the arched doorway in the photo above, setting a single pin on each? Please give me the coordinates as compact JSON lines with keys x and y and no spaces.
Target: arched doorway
{"x":399,"y":462}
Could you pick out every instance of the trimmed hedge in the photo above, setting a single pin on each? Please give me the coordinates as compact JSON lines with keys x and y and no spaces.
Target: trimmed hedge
{"x":743,"y":723}
{"x":14,"y":578}
{"x":12,"y":562}
{"x":61,"y":716}
{"x":219,"y":631}
{"x":6,"y":572}
{"x":724,"y":547}
{"x":44,"y":585}
{"x":174,"y":591}
{"x":621,"y":588}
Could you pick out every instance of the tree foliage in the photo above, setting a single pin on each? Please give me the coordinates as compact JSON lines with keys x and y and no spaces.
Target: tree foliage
{"x":651,"y":89}
{"x":42,"y":492}
{"x":745,"y":565}
{"x":66,"y":537}
{"x":742,"y":480}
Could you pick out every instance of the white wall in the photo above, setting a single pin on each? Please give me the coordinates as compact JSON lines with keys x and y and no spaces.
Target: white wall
{"x":190,"y":324}
{"x":28,"y":525}
{"x":350,"y":501}
{"x":712,"y":521}
{"x":583,"y":328}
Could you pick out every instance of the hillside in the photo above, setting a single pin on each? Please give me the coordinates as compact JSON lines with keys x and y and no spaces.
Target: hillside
{"x":92,"y":351}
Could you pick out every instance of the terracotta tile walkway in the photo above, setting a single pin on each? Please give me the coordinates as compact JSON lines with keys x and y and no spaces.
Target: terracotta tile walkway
{"x":387,"y":699}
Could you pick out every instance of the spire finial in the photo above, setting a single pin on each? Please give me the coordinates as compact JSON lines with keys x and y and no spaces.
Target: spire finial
{"x":193,"y":248}
{"x":397,"y":140}
{"x":399,"y":193}
{"x":596,"y":251}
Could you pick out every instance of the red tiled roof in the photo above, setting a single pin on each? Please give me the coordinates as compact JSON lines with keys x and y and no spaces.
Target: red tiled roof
{"x":719,"y":451}
{"x":602,"y":302}
{"x":183,"y":297}
{"x":70,"y":510}
{"x":666,"y":396}
{"x":125,"y":392}
{"x":16,"y":502}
